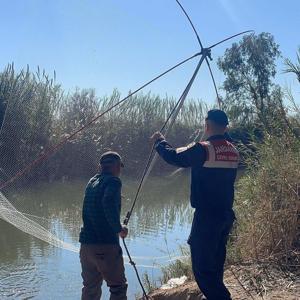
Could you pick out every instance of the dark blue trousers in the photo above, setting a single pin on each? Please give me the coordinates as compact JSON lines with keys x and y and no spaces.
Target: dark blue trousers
{"x":208,"y":241}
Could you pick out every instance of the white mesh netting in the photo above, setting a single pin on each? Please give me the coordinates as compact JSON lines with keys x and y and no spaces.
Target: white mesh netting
{"x":45,"y":200}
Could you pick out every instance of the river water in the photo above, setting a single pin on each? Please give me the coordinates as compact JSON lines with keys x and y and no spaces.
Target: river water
{"x":33,"y":269}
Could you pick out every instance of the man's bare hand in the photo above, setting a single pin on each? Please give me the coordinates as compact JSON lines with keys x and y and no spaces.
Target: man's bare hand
{"x":124,"y":232}
{"x":156,"y":136}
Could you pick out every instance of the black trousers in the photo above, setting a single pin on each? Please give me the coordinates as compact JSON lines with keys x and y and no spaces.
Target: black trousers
{"x":208,"y":241}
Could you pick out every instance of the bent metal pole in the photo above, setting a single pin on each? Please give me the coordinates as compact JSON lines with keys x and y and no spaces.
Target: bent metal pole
{"x":206,"y":53}
{"x":151,"y":160}
{"x":165,"y":128}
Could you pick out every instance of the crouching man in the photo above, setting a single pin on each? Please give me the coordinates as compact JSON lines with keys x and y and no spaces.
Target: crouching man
{"x":214,"y":165}
{"x":100,"y":252}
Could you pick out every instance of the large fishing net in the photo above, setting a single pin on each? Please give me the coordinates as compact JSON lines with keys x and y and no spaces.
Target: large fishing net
{"x":30,"y":108}
{"x":50,"y":144}
{"x":42,"y":179}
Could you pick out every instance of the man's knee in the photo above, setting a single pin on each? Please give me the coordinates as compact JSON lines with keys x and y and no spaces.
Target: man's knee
{"x":92,"y":282}
{"x":91,"y":292}
{"x":203,"y":260}
{"x":91,"y":285}
{"x":118,"y":292}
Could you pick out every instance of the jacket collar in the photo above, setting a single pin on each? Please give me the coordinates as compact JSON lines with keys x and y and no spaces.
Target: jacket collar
{"x":105,"y":173}
{"x":216,"y":137}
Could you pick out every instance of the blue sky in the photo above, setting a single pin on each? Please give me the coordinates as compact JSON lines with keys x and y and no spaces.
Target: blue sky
{"x":123,"y":43}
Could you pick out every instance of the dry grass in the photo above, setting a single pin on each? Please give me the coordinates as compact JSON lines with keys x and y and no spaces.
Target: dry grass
{"x":268,"y":202}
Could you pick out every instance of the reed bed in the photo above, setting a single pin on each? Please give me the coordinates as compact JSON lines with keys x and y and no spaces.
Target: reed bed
{"x":36,"y":114}
{"x":268,"y":203}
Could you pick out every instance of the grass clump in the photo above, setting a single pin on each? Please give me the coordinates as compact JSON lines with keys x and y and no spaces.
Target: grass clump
{"x":180,"y":267}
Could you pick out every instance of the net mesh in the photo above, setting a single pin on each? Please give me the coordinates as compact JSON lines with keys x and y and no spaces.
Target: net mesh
{"x":36,"y":115}
{"x":29,"y":110}
{"x":10,"y":214}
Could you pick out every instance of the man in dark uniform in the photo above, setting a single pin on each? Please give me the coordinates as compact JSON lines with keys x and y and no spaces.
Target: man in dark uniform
{"x":100,"y":252}
{"x":214,"y":165}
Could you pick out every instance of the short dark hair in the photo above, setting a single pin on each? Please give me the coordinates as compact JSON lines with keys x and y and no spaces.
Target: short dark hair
{"x":218,"y":116}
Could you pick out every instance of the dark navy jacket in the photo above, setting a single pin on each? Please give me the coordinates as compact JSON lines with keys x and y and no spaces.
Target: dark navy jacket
{"x":101,"y":210}
{"x":214,"y":167}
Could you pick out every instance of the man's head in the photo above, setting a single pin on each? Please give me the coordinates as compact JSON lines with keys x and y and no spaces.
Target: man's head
{"x":111,"y":162}
{"x":216,"y":122}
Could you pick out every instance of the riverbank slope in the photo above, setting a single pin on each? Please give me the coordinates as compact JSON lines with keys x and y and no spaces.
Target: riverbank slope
{"x":244,"y":283}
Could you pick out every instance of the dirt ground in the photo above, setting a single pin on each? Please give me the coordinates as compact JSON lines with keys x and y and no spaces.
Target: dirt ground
{"x":244,"y":284}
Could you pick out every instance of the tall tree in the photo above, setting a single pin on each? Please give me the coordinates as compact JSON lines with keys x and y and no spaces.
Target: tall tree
{"x":249,"y":67}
